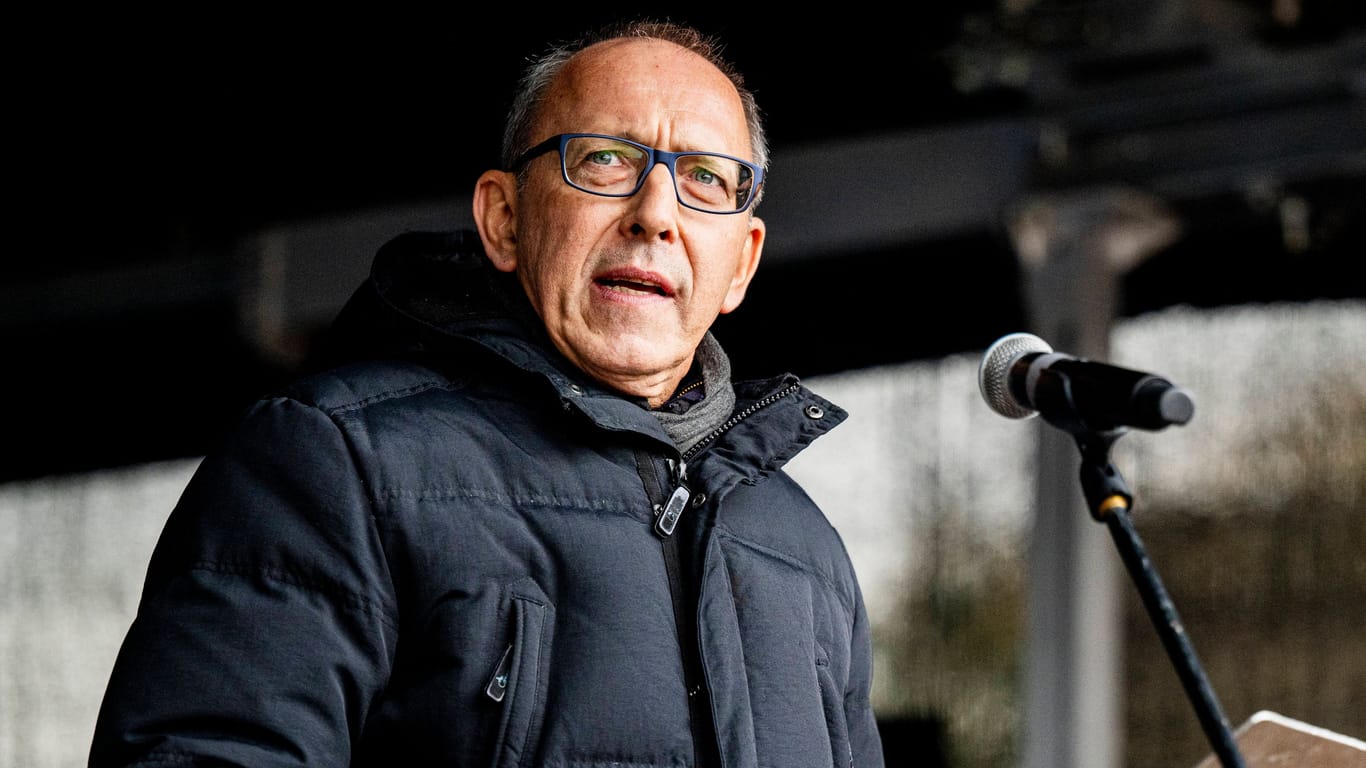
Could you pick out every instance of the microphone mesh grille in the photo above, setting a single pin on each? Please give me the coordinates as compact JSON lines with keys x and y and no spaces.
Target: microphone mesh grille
{"x":993,"y":374}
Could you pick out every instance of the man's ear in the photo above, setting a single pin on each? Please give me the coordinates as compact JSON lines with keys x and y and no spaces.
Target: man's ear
{"x":746,"y":266}
{"x":495,"y":215}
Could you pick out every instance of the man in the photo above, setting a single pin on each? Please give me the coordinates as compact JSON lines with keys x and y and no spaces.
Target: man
{"x":534,"y":522}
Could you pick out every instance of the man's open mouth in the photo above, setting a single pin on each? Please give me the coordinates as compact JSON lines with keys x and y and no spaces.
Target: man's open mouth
{"x":632,"y":286}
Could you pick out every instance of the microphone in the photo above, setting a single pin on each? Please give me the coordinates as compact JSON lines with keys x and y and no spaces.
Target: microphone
{"x":1021,"y":376}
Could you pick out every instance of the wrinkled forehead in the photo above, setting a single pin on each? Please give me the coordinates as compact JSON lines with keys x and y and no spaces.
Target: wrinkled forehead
{"x":649,"y":90}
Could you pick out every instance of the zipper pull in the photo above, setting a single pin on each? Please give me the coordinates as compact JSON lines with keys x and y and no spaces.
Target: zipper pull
{"x":668,"y":517}
{"x":678,"y":501}
{"x":498,"y":684}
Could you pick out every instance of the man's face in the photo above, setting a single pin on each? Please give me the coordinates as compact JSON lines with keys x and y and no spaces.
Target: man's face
{"x":627,"y":287}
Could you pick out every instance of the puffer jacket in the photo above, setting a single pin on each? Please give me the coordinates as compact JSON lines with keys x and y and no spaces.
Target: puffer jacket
{"x":455,"y":553}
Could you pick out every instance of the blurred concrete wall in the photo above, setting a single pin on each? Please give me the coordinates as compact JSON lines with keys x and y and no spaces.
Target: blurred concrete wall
{"x":72,"y":554}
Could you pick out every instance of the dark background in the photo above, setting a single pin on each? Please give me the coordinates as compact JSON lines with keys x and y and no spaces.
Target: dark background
{"x":145,"y":143}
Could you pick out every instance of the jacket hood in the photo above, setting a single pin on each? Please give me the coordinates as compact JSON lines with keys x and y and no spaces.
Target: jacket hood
{"x":427,"y":288}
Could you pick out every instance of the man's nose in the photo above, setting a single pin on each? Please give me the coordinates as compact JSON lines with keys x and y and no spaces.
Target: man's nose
{"x":660,"y":179}
{"x":656,"y":203}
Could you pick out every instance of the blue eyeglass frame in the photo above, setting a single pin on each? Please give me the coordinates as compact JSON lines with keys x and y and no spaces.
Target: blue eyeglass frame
{"x":653,"y":156}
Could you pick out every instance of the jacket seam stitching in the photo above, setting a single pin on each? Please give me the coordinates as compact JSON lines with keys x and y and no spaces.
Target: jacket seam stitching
{"x":834,"y":586}
{"x":365,"y":402}
{"x":339,"y":423}
{"x":168,"y":758}
{"x":446,"y":494}
{"x":342,"y":596}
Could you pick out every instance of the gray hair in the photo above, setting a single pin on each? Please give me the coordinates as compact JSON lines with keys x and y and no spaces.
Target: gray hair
{"x":543,"y":70}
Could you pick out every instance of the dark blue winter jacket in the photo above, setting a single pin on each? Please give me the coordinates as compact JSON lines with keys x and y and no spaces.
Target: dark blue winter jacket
{"x":451,"y":553}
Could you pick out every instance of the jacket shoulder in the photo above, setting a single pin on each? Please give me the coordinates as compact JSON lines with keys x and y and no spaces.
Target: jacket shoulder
{"x":356,"y":385}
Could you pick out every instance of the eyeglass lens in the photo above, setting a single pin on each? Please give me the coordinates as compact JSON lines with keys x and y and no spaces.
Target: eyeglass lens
{"x":607,"y":166}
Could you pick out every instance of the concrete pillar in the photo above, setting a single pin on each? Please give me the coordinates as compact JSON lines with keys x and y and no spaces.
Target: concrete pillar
{"x":1075,"y":249}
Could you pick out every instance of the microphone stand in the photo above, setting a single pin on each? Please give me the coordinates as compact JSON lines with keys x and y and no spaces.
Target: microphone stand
{"x":1109,"y":501}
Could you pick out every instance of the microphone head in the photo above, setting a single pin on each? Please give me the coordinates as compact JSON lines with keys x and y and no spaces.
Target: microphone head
{"x":993,"y":375}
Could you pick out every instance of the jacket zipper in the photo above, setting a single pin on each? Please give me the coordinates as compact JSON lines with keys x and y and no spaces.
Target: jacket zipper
{"x":682,"y":595}
{"x":666,"y":515}
{"x":706,"y":751}
{"x":739,"y":417}
{"x":666,"y":520}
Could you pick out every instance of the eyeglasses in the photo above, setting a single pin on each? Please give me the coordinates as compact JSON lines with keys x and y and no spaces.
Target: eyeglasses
{"x":615,"y":167}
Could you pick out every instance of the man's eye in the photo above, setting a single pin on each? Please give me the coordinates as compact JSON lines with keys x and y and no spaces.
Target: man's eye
{"x":603,"y":157}
{"x":705,"y":176}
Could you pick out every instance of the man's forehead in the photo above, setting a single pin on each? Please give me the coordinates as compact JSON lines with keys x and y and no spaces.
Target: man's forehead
{"x":633,"y":53}
{"x":617,"y":80}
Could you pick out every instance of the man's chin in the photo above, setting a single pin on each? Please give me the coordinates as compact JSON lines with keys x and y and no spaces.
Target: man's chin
{"x":635,"y":367}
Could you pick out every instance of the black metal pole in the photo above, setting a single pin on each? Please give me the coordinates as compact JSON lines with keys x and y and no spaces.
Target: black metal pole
{"x":1109,"y":502}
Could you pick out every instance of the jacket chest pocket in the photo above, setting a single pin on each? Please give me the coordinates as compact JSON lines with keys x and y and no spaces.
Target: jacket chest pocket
{"x":518,"y":683}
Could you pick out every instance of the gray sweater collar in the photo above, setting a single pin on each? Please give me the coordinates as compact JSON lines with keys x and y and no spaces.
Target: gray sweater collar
{"x":697,"y":422}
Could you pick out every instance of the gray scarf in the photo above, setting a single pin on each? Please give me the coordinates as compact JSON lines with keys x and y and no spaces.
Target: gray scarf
{"x":688,"y":428}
